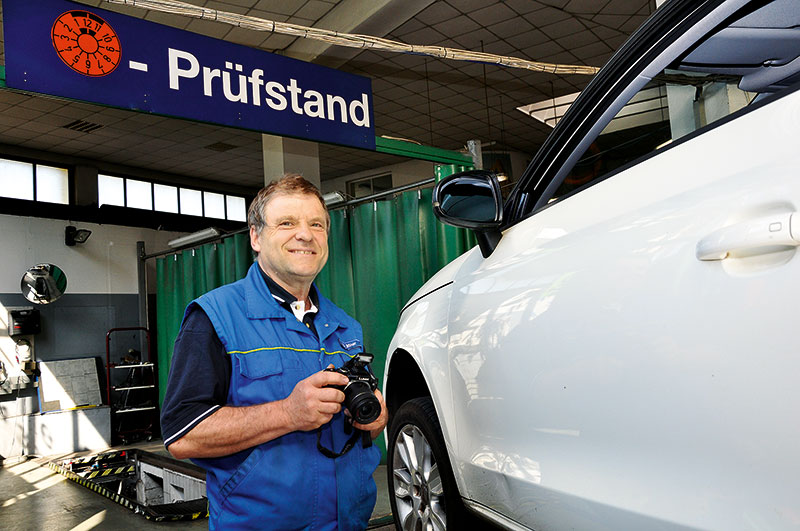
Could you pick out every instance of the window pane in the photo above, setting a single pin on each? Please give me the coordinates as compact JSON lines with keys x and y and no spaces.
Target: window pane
{"x":191,"y":202}
{"x":369,"y":185}
{"x":110,"y":190}
{"x":360,"y":188}
{"x":52,"y":184}
{"x":166,"y":198}
{"x":673,"y":105}
{"x":140,"y":194}
{"x":16,"y":179}
{"x":215,"y":205}
{"x":236,"y":208}
{"x":382,"y":183}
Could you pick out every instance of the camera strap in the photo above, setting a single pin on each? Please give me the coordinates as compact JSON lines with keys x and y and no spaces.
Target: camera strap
{"x":366,"y":442}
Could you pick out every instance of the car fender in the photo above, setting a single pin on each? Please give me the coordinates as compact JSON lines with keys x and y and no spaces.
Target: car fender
{"x":417,"y":361}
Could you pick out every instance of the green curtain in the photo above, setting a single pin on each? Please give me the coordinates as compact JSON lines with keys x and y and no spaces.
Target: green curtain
{"x":184,"y":276}
{"x":335,"y":280}
{"x":380,"y":254}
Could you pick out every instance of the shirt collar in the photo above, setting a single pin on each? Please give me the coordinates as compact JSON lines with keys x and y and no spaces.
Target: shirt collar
{"x":286,"y":299}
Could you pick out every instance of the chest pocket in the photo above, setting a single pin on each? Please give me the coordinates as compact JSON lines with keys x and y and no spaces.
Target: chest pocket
{"x":265,"y":376}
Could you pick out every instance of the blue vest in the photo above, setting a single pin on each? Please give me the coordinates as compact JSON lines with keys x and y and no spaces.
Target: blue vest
{"x":285,"y":483}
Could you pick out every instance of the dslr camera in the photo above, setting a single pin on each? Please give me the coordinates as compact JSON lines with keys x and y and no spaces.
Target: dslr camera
{"x":359,"y":393}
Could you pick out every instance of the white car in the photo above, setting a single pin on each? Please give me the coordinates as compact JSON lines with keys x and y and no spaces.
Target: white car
{"x":621,"y":351}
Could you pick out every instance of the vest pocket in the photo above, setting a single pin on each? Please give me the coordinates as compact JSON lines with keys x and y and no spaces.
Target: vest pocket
{"x":261,"y":364}
{"x":264,"y":376}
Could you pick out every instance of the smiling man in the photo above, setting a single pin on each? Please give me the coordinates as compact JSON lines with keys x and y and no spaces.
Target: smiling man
{"x":248,"y":398}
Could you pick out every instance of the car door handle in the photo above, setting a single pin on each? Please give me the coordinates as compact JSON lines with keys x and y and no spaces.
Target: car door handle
{"x":762,"y":233}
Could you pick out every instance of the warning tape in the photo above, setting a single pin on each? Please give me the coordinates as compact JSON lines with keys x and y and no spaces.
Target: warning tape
{"x":93,"y":486}
{"x":125,"y":502}
{"x":103,"y":473}
{"x":89,"y":459}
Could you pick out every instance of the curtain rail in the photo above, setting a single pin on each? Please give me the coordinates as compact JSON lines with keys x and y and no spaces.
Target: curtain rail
{"x":379,"y":195}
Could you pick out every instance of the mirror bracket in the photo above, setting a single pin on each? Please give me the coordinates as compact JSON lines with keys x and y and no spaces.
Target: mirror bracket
{"x":488,"y":240}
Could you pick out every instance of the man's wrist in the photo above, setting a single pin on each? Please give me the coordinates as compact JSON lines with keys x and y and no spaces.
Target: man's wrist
{"x":279,"y":411}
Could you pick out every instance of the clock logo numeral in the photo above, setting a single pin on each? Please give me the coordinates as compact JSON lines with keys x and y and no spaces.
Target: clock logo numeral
{"x":86,"y":43}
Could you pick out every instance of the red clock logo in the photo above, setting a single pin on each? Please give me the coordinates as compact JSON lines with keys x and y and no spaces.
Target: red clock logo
{"x":86,"y":43}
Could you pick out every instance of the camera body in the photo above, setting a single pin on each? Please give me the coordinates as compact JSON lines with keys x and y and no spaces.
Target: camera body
{"x":359,"y":393}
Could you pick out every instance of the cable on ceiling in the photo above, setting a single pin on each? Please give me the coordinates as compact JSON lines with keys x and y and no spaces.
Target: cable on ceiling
{"x":349,"y":39}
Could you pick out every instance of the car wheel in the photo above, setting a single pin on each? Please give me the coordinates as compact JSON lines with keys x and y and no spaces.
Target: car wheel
{"x":422,"y":489}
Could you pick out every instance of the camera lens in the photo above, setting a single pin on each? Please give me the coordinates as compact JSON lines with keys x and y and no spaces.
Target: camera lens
{"x":368,"y":411}
{"x":361,"y":402}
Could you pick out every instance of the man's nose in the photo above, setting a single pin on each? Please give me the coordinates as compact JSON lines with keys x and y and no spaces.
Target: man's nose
{"x":303,"y":232}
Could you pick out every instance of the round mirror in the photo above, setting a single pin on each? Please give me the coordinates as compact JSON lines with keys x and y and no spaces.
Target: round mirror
{"x":43,"y":283}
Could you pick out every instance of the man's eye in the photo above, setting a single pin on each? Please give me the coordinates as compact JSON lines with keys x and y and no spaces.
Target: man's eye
{"x":318,"y":225}
{"x":285,"y":224}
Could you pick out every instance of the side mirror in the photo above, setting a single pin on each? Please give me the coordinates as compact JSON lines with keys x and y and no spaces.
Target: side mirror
{"x":471,"y":200}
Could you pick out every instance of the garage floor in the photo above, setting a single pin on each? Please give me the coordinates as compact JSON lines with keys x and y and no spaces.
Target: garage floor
{"x":33,"y":497}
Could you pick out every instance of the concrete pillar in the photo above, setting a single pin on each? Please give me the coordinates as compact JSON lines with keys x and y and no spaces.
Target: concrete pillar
{"x":288,"y":155}
{"x":722,"y":99}
{"x":475,"y":151}
{"x":691,"y":108}
{"x":683,"y":115}
{"x":85,"y":191}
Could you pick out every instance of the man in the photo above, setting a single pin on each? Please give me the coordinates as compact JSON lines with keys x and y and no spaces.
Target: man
{"x":247,"y":397}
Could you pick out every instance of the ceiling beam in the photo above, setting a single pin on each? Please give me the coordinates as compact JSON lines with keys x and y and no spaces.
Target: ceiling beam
{"x":368,"y":17}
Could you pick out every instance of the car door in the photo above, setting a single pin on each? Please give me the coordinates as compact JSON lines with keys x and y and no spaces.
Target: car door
{"x":626,"y":354}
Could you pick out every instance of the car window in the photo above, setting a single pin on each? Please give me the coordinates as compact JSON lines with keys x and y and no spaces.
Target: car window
{"x":670,"y":107}
{"x":668,"y":81}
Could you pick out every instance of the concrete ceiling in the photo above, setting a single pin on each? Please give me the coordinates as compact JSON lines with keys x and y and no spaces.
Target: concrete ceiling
{"x":440,"y":103}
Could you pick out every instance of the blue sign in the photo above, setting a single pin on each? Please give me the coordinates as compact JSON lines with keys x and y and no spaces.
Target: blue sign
{"x":72,"y":50}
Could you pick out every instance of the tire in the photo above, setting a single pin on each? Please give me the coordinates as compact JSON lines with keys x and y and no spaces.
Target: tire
{"x":422,"y":489}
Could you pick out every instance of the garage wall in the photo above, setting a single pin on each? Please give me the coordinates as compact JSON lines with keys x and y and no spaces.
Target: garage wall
{"x":102,"y":282}
{"x":105,"y":264}
{"x":102,"y":286}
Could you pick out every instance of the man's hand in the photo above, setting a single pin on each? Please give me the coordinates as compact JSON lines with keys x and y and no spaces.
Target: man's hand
{"x":311,"y":403}
{"x":376,"y":426}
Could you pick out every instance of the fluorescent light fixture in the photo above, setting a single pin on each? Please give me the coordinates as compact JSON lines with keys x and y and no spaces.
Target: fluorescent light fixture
{"x":195,"y":237}
{"x":549,"y":111}
{"x":331,"y":198}
{"x":648,"y":106}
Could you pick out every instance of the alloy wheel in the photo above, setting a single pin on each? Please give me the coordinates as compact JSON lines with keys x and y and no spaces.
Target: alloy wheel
{"x":418,"y":488}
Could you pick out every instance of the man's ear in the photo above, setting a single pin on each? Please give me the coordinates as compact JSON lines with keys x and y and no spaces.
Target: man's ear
{"x":254,"y":243}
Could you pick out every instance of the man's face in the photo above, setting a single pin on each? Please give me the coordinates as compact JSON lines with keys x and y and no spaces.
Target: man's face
{"x":293,"y":246}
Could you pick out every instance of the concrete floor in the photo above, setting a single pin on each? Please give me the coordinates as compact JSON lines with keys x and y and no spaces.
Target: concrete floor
{"x":33,"y":497}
